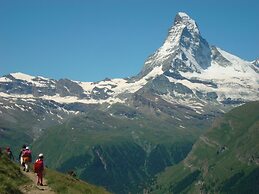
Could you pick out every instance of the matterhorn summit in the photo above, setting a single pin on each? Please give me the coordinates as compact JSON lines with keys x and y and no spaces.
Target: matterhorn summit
{"x":183,"y":50}
{"x":183,"y":19}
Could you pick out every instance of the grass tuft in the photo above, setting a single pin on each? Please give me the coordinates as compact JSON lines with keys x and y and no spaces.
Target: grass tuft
{"x":66,"y":184}
{"x":10,"y":177}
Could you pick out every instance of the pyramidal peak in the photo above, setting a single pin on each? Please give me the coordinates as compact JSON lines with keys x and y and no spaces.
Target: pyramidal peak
{"x":184,"y":29}
{"x":183,"y":49}
{"x":184,"y":19}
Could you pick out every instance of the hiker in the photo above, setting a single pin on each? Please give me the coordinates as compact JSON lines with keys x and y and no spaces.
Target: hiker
{"x":9,"y":153}
{"x":39,"y":168}
{"x":26,"y":155}
{"x":20,"y":155}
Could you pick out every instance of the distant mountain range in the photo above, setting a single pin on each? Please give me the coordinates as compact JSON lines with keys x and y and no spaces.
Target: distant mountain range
{"x":160,"y":112}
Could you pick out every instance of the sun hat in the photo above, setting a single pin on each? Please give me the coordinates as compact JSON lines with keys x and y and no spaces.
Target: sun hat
{"x":40,"y":155}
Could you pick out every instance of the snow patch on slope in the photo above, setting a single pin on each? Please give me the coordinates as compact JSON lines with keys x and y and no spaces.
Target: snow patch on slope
{"x":233,"y":81}
{"x":59,"y":99}
{"x":5,"y":79}
{"x":29,"y":79}
{"x":119,"y":86}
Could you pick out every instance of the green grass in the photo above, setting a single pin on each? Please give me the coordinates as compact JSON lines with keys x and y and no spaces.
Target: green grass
{"x":79,"y":134}
{"x":233,"y":170}
{"x":65,"y":184}
{"x":134,"y":149}
{"x":10,"y":177}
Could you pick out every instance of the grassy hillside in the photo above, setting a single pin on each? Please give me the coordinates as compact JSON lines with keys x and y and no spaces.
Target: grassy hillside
{"x":10,"y":177}
{"x":119,"y":152}
{"x":65,"y":184}
{"x":224,"y":160}
{"x":123,"y":144}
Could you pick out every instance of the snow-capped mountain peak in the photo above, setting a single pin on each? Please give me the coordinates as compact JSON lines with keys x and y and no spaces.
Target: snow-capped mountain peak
{"x":36,"y":81}
{"x":183,"y":50}
{"x":182,"y":18}
{"x":26,"y":77}
{"x":22,"y":76}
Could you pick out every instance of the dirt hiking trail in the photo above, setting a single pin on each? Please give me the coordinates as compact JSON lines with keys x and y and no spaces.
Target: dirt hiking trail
{"x":33,"y":188}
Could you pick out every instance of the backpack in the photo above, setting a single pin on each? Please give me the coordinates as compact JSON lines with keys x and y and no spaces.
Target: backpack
{"x":38,"y":166}
{"x":26,"y":153}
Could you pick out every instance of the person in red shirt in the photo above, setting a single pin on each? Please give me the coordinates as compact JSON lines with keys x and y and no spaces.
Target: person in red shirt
{"x":39,"y":168}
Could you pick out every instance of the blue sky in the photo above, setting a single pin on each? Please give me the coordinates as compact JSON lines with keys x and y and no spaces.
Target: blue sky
{"x":89,"y":40}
